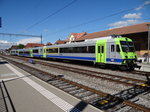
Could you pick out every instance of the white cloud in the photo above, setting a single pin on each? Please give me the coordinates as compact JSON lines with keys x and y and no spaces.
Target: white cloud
{"x":3,"y":41}
{"x":147,"y":2}
{"x":29,"y":40}
{"x":124,"y":23}
{"x":5,"y":44}
{"x":141,"y":6}
{"x":132,"y":15}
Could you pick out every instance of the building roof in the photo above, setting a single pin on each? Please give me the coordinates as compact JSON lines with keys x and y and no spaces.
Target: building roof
{"x":118,"y":31}
{"x":30,"y":45}
{"x":49,"y":43}
{"x":77,"y":35}
{"x":14,"y":47}
{"x":60,"y":42}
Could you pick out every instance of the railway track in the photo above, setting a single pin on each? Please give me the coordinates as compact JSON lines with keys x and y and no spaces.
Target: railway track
{"x":94,"y":97}
{"x":99,"y":75}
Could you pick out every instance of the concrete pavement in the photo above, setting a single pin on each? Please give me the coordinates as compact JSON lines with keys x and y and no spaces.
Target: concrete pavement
{"x":30,"y":94}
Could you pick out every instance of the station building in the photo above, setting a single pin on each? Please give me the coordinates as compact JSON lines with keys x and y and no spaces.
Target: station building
{"x":138,"y":33}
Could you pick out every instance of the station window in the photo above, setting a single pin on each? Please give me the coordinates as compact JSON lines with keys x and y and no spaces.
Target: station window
{"x":112,"y":48}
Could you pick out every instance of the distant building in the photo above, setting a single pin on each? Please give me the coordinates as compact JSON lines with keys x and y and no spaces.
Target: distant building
{"x":72,"y":38}
{"x":75,"y":36}
{"x":14,"y":47}
{"x":49,"y":44}
{"x":30,"y":45}
{"x":138,"y":33}
{"x":60,"y":42}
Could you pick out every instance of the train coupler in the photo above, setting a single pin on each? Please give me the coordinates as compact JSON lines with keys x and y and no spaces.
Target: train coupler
{"x":137,"y":66}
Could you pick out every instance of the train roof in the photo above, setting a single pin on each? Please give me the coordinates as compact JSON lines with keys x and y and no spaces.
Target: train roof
{"x":88,"y":42}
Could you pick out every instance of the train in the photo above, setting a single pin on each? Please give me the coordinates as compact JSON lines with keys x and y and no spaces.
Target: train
{"x":111,"y":51}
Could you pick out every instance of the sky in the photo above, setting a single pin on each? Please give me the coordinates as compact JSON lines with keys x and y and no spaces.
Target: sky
{"x":57,"y":19}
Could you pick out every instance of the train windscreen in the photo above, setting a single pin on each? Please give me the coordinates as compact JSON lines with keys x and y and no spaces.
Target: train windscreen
{"x":127,"y":46}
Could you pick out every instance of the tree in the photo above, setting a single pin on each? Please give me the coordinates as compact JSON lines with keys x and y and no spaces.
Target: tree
{"x":21,"y":46}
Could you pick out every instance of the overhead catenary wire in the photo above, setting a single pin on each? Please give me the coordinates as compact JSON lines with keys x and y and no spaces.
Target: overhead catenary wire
{"x":89,"y":30}
{"x":52,"y":14}
{"x":94,"y":20}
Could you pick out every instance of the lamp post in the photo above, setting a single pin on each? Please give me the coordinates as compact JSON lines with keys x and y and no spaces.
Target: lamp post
{"x":148,"y":42}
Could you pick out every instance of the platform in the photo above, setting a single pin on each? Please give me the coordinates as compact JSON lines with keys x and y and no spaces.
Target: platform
{"x":144,"y":67}
{"x":30,"y":94}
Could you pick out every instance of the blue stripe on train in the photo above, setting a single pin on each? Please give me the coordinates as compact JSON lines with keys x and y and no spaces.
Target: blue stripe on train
{"x":114,"y":60}
{"x":24,"y":54}
{"x":71,"y":57}
{"x":37,"y":55}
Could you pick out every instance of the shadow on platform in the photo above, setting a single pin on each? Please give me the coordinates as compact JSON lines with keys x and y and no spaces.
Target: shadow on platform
{"x":79,"y":107}
{"x":3,"y":62}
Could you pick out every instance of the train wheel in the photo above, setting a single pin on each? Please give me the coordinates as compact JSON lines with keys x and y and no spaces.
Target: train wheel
{"x":131,"y":68}
{"x":123,"y":68}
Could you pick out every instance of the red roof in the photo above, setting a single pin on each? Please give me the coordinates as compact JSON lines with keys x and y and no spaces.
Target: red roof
{"x":77,"y":35}
{"x":118,"y":31}
{"x":49,"y":43}
{"x":60,"y":42}
{"x":14,"y":47}
{"x":30,"y":45}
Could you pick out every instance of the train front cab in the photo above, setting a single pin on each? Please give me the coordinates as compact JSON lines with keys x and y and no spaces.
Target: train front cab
{"x":128,"y":54}
{"x":116,"y":52}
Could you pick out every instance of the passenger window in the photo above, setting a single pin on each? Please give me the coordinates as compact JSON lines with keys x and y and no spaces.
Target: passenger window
{"x":117,"y":48}
{"x":102,"y":49}
{"x":91,"y":49}
{"x":112,"y":48}
{"x":99,"y":50}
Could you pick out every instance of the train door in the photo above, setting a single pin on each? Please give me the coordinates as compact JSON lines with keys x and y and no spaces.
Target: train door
{"x":101,"y":52}
{"x":112,"y":47}
{"x":44,"y":52}
{"x":31,"y":53}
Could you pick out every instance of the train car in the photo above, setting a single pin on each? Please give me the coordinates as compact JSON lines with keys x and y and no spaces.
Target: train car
{"x":108,"y":51}
{"x":84,"y":51}
{"x":37,"y":52}
{"x":24,"y":52}
{"x":113,"y":51}
{"x":14,"y":52}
